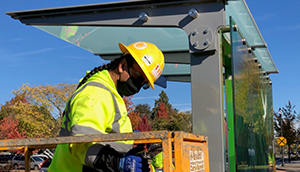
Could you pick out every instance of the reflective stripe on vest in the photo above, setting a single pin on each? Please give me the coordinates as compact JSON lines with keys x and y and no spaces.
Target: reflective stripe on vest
{"x":270,"y":161}
{"x":78,"y":129}
{"x":152,"y":169}
{"x":64,"y":160}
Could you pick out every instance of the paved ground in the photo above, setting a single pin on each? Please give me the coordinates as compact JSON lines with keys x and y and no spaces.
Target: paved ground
{"x":18,"y":171}
{"x":292,"y":166}
{"x":21,"y":171}
{"x":289,"y":167}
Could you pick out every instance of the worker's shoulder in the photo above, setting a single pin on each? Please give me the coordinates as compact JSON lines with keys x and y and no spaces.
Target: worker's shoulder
{"x":96,"y":88}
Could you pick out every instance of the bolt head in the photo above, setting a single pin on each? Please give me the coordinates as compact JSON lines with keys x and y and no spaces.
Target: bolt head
{"x":193,"y":13}
{"x":143,"y":16}
{"x":235,"y":28}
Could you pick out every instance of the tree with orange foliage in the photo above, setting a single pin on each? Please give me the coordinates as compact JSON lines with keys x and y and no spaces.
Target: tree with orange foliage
{"x":162,"y":110}
{"x":9,"y":129}
{"x":135,"y":120}
{"x":34,"y":120}
{"x":7,"y":109}
{"x":134,"y":116}
{"x":165,"y":117}
{"x":144,"y":124}
{"x":145,"y":116}
{"x":128,"y":103}
{"x":52,"y":97}
{"x":162,"y":107}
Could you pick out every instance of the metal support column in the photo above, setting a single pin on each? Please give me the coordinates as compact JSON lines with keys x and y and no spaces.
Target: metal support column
{"x":207,"y":104}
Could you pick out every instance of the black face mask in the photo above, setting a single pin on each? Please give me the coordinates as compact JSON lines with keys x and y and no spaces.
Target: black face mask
{"x":129,"y":87}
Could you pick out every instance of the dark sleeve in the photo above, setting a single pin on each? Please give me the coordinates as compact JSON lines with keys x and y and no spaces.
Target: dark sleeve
{"x":108,"y":159}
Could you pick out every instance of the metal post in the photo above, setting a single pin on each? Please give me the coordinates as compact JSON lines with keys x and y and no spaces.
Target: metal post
{"x":282,"y":154}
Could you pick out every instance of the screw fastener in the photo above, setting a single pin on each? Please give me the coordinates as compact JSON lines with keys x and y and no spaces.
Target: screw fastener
{"x":235,"y":28}
{"x":205,"y":43}
{"x":194,"y":33}
{"x":193,"y":13}
{"x":144,"y":17}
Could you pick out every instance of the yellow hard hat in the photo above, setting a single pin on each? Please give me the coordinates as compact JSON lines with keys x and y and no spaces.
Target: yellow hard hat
{"x":148,"y":57}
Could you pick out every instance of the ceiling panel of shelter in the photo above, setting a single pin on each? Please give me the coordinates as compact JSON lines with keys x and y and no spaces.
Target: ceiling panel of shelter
{"x":106,"y":6}
{"x":247,"y":27}
{"x":103,"y":41}
{"x":162,"y":28}
{"x":183,"y":69}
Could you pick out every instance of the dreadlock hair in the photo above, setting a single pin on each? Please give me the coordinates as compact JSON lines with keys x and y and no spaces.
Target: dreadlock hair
{"x":110,"y":66}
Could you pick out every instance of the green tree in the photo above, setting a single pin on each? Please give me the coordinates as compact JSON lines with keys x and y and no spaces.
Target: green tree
{"x":7,"y":110}
{"x":165,"y":117}
{"x":51,"y":97}
{"x":143,"y":109}
{"x":38,"y":109}
{"x":284,"y":120}
{"x":182,"y":121}
{"x":30,"y":119}
{"x":162,"y":106}
{"x":163,"y":98}
{"x":161,"y":112}
{"x":144,"y":117}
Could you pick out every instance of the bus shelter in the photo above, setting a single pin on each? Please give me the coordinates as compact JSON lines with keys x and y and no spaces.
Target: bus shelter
{"x":213,"y":44}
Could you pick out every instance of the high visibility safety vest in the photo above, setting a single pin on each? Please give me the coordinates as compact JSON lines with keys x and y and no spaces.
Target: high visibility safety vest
{"x":94,"y":108}
{"x":271,"y":159}
{"x":153,"y":169}
{"x":157,"y":161}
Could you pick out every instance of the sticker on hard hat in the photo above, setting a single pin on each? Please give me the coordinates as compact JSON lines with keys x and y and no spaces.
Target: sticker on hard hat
{"x":147,"y":59}
{"x":140,"y":45}
{"x":156,"y":71}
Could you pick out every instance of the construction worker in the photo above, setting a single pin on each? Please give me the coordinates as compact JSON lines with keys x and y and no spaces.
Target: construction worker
{"x":156,"y":155}
{"x":271,"y":160}
{"x":97,"y":107}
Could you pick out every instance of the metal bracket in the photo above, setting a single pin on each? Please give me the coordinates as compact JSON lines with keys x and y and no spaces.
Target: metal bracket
{"x":201,"y":38}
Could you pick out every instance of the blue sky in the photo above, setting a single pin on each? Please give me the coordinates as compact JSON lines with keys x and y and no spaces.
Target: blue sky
{"x":29,"y":55}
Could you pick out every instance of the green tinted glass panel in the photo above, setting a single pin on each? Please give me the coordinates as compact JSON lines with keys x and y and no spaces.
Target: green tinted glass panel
{"x":265,"y":60}
{"x":177,"y":69}
{"x":238,"y":10}
{"x":252,"y":109}
{"x":104,"y":40}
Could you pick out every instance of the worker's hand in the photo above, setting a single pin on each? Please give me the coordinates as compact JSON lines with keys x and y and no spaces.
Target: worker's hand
{"x":133,"y":163}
